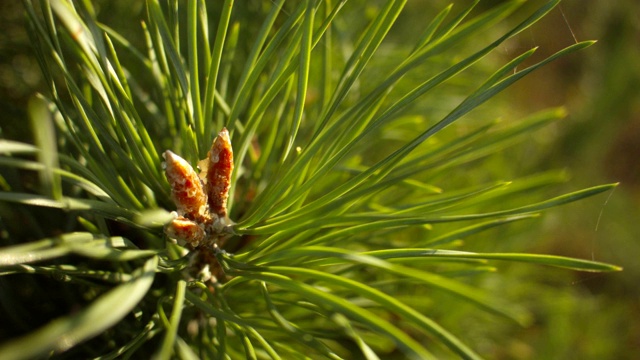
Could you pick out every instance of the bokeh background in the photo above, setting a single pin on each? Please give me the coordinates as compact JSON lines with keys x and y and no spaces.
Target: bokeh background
{"x":576,"y":315}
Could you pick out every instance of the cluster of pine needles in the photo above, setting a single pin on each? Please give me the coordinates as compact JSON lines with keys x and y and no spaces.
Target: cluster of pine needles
{"x":346,"y":229}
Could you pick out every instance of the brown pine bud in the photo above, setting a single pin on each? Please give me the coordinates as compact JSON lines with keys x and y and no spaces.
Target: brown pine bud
{"x":186,"y":188}
{"x":185,"y":230}
{"x":216,"y":172}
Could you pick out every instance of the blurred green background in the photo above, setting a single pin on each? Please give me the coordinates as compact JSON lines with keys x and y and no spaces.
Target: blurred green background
{"x":577,"y":315}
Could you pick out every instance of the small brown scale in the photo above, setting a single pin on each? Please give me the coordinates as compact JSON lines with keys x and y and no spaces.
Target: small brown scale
{"x":201,"y":221}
